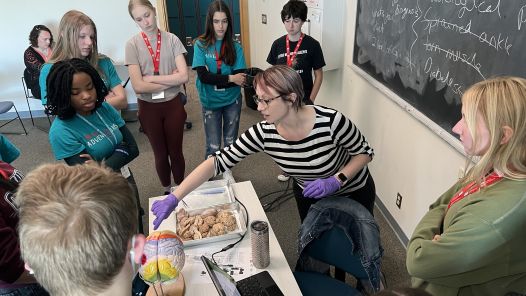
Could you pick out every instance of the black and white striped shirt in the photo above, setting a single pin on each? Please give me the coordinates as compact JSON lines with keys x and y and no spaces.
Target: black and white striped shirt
{"x":324,"y":152}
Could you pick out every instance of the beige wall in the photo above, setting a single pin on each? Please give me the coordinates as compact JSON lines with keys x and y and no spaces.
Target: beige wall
{"x":410,"y":159}
{"x":114,"y":28}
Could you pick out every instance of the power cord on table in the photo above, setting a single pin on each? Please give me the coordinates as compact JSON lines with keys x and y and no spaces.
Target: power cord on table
{"x":279,"y":200}
{"x":230,"y":246}
{"x":269,"y":206}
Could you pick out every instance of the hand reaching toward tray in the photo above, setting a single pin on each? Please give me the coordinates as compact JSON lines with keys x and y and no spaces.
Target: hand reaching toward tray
{"x":163,"y":208}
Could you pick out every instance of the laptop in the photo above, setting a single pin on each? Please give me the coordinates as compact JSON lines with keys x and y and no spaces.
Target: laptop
{"x":254,"y":285}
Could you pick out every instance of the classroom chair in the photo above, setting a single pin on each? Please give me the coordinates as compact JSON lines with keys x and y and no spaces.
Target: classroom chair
{"x":5,"y":106}
{"x":28,"y":95}
{"x":330,"y":245}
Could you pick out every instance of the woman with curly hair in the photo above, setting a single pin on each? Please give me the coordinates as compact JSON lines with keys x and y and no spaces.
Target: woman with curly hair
{"x":87,"y":128}
{"x":38,"y":53}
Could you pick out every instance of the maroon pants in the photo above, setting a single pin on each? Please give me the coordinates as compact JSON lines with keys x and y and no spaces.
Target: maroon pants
{"x":163,"y":124}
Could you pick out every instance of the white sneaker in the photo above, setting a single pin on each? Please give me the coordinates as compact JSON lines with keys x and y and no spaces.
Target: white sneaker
{"x":283,"y":177}
{"x":227,"y":175}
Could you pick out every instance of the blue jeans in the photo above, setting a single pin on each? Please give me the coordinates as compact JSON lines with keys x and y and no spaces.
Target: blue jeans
{"x":221,"y":122}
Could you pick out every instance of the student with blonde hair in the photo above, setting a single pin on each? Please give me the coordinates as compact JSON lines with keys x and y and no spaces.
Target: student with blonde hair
{"x":471,"y":242}
{"x":77,"y":38}
{"x":77,"y":230}
{"x":157,"y":68}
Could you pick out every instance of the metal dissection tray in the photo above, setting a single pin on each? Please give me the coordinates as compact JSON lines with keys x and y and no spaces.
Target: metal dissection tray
{"x":211,"y":196}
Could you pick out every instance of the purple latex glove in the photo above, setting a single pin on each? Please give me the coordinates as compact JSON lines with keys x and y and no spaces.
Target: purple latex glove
{"x":321,"y":187}
{"x":163,"y":208}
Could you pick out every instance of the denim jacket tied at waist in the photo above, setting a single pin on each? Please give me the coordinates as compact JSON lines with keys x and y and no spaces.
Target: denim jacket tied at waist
{"x":359,"y":227}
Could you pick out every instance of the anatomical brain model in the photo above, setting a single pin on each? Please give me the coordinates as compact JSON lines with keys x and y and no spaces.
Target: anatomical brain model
{"x":164,"y":258}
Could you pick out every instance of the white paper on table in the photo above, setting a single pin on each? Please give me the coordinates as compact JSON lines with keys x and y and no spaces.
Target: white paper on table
{"x":236,"y":261}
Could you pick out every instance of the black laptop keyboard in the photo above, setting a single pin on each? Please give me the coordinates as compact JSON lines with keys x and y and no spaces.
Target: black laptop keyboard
{"x":274,"y":291}
{"x":250,"y":287}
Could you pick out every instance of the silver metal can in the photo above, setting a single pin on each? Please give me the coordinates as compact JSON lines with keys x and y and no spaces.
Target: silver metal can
{"x":260,"y":244}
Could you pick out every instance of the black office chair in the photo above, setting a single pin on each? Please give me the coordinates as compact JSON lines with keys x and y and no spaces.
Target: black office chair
{"x":334,"y":249}
{"x":5,"y":106}
{"x":29,"y":95}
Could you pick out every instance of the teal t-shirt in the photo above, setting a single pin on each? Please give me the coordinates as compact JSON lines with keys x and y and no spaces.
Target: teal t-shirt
{"x":99,"y":139}
{"x":110,"y":77}
{"x":209,"y":95}
{"x":8,"y":151}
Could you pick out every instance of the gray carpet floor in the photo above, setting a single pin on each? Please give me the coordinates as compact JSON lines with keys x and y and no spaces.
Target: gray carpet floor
{"x":259,"y":169}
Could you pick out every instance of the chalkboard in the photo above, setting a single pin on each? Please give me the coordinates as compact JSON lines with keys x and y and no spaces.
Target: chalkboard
{"x":429,"y":52}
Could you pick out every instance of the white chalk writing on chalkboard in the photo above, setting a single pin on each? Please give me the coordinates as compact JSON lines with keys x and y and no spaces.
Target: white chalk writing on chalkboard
{"x":430,"y":52}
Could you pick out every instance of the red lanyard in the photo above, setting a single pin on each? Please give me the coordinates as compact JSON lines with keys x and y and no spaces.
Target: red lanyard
{"x":218,"y":60}
{"x":157,"y":56}
{"x":290,"y":58}
{"x":473,"y":187}
{"x":4,"y":174}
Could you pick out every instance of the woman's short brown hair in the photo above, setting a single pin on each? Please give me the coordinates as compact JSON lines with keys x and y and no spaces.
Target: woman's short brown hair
{"x":284,"y":80}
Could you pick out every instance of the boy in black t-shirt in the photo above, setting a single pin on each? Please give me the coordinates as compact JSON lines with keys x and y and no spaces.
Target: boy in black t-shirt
{"x":298,"y":50}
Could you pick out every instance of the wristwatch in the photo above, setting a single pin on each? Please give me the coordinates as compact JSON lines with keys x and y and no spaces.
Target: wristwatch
{"x":342,"y":178}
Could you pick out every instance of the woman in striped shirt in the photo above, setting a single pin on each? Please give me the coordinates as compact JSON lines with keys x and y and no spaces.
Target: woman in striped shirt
{"x":321,"y":149}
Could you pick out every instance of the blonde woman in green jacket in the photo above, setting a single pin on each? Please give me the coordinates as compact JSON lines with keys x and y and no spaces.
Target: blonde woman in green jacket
{"x":472,"y":241}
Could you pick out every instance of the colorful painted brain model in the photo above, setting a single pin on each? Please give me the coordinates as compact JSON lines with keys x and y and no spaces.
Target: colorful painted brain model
{"x":164,"y":257}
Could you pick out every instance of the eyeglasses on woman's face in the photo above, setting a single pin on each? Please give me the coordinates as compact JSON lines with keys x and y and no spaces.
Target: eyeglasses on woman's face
{"x":265,"y":102}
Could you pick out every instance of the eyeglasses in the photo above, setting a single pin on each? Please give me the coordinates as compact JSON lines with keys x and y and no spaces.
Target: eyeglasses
{"x":257,"y":100}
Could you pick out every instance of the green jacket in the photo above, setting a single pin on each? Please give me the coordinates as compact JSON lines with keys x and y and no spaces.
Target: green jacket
{"x":482,"y":248}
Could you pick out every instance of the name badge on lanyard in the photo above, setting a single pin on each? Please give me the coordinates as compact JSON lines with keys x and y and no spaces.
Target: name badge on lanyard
{"x":156,"y":59}
{"x":219,"y":89}
{"x":125,"y":172}
{"x":158,"y":95}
